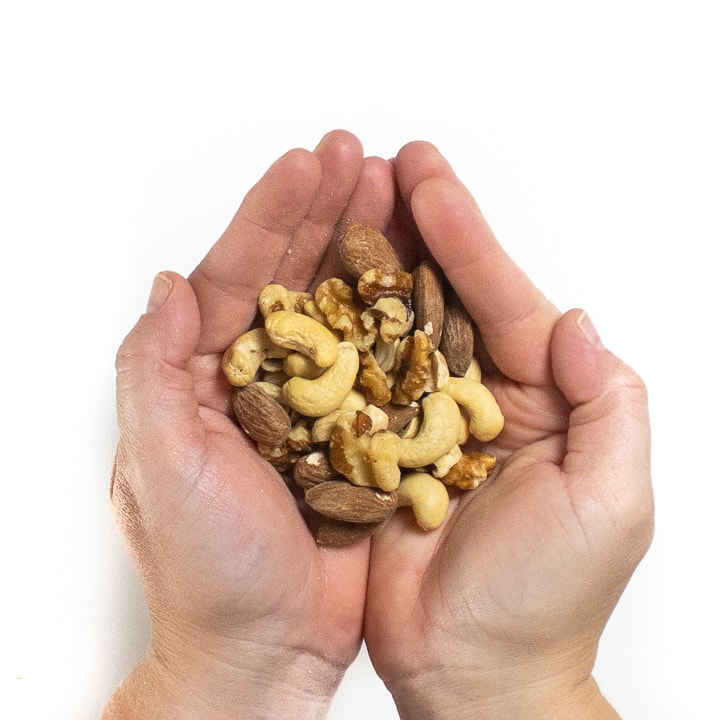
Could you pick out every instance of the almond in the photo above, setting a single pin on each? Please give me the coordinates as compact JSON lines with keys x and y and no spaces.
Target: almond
{"x":262,"y":417}
{"x":428,"y":301}
{"x":342,"y":500}
{"x":399,"y":415}
{"x":364,"y":248}
{"x":337,"y":533}
{"x":458,"y":336}
{"x":313,"y":469}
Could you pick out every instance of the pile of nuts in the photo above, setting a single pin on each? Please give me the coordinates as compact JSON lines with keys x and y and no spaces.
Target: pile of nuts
{"x":366,"y":395}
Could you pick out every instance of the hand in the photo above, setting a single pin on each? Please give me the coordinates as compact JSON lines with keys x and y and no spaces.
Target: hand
{"x":248,"y":616}
{"x":498,"y":613}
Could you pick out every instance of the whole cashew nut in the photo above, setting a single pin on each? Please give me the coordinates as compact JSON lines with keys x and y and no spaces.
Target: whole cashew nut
{"x":427,"y":496}
{"x":438,"y":433}
{"x":486,"y":418}
{"x":242,"y":360}
{"x":315,"y":398}
{"x":304,"y":334}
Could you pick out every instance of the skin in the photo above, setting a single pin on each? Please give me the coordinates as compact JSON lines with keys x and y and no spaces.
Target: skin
{"x":496,"y":614}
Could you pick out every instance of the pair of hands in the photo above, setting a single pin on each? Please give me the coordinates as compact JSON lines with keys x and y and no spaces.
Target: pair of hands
{"x":496,"y":614}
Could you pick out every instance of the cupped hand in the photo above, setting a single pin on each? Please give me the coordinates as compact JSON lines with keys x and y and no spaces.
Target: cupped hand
{"x":235,"y":583}
{"x":514,"y":590}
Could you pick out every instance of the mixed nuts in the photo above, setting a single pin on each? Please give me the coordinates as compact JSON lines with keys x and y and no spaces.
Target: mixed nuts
{"x":365,"y":394}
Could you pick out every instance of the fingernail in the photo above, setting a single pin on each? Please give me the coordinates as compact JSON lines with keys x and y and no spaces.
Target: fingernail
{"x":159,"y":293}
{"x":589,"y":331}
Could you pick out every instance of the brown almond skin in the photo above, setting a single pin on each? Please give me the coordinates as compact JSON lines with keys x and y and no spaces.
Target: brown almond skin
{"x":399,"y":415}
{"x":429,"y":301}
{"x":362,"y":248}
{"x":338,"y":533}
{"x":342,"y":500}
{"x":313,"y":469}
{"x":457,"y":343}
{"x":262,"y":417}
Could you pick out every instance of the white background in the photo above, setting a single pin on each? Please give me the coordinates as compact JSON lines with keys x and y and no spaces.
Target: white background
{"x":129,"y":132}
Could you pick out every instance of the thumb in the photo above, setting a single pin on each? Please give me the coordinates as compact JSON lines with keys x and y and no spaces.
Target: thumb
{"x":156,"y":401}
{"x":607,"y":463}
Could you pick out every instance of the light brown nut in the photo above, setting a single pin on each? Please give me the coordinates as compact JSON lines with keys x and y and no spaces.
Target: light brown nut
{"x":438,"y":433}
{"x":336,"y":299}
{"x":262,"y":417}
{"x":484,"y":414}
{"x":368,"y":460}
{"x":428,"y":301}
{"x":470,"y":470}
{"x":298,"y":365}
{"x":315,"y":398}
{"x":427,"y":496}
{"x":394,"y":315}
{"x":413,"y":368}
{"x":363,"y":248}
{"x":276,"y":297}
{"x":241,"y":361}
{"x":304,"y":334}
{"x":457,"y":342}
{"x":373,"y":380}
{"x":313,"y":469}
{"x":374,"y":284}
{"x":341,"y":500}
{"x":338,"y":533}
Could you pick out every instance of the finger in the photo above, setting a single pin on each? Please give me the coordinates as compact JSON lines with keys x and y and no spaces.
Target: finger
{"x":371,"y":203}
{"x":608,"y":444}
{"x":156,"y":403}
{"x":341,"y":158}
{"x":246,"y":257}
{"x":513,"y":316}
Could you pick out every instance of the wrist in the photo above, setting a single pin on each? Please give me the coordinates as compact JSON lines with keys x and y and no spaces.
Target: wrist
{"x":208,"y":687}
{"x":466,"y":698}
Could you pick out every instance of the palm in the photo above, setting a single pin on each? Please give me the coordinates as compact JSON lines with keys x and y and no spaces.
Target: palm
{"x":534,"y":559}
{"x":231,"y":554}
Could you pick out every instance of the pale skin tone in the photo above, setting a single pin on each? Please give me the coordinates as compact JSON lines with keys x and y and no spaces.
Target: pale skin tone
{"x":495,"y":615}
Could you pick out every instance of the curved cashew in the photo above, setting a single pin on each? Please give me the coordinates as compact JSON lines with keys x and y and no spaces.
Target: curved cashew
{"x":315,"y":398}
{"x":304,"y":334}
{"x":242,"y":360}
{"x":276,"y":297}
{"x":438,"y":433}
{"x":486,"y":418}
{"x":427,"y":496}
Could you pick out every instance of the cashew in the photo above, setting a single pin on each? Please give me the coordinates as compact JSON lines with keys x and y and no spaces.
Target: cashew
{"x":298,"y":365}
{"x":322,"y":428}
{"x":242,"y":360}
{"x":474,"y":372}
{"x":324,"y":425}
{"x":304,"y":334}
{"x":315,"y":398}
{"x":486,"y":418}
{"x":276,"y":297}
{"x":427,"y":496}
{"x":444,"y":464}
{"x":438,"y":433}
